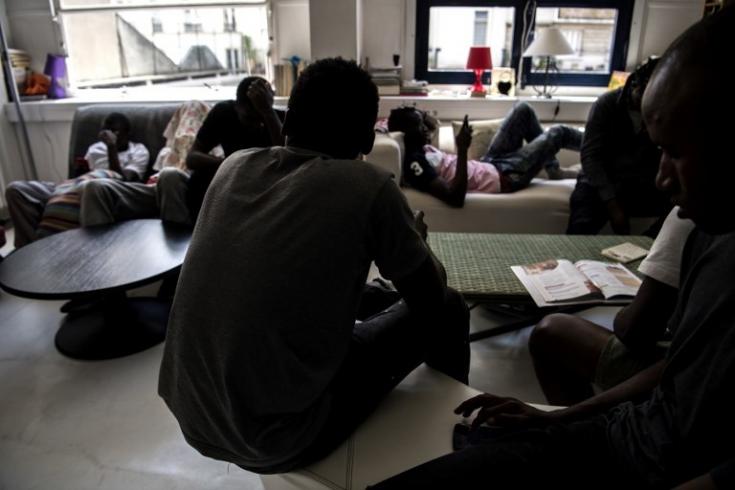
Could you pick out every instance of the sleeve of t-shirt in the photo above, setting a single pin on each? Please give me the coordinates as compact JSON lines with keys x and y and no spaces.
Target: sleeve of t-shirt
{"x":137,"y":159}
{"x":97,"y":156}
{"x":417,"y":171}
{"x":396,"y":246}
{"x":663,"y":262}
{"x":724,"y":475}
{"x":209,"y":133}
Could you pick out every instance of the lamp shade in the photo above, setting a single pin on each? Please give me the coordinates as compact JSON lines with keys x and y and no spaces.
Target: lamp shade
{"x":549,"y":41}
{"x":479,"y":58}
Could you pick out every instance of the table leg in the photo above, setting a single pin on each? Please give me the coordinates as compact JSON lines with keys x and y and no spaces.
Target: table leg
{"x":518,"y":316}
{"x":116,"y":326}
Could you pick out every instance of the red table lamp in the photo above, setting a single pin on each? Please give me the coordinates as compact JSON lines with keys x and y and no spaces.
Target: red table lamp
{"x":479,"y":60}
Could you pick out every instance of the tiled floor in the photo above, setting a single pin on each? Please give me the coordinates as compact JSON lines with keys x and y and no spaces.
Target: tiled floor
{"x":67,"y":424}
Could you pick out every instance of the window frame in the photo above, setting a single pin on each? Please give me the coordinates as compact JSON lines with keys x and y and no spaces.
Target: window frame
{"x":617,"y":59}
{"x":59,"y":10}
{"x":621,"y":40}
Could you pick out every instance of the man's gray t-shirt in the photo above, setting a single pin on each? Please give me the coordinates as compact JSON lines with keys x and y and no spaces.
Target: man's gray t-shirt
{"x":686,"y":427}
{"x":266,"y":301}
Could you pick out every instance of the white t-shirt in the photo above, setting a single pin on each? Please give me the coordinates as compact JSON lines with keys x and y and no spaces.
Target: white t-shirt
{"x":135,"y":158}
{"x":663,"y":262}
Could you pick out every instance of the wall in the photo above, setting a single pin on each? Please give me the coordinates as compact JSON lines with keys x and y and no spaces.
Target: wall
{"x":291,"y":29}
{"x":334,"y":28}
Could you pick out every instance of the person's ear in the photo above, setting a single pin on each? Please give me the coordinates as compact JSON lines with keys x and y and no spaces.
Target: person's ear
{"x":368,"y":142}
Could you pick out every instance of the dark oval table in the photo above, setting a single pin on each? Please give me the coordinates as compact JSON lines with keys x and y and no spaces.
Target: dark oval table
{"x":100,"y":264}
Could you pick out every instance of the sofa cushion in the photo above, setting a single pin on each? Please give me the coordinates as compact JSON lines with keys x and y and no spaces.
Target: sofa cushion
{"x":543,"y":207}
{"x":483,"y":133}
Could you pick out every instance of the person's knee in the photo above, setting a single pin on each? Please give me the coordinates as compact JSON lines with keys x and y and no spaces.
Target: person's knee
{"x":456,"y":304}
{"x":547,"y":334}
{"x":456,"y":313}
{"x":12,"y":192}
{"x":524,"y":107}
{"x":93,"y":190}
{"x":169,"y":177}
{"x":557,"y":132}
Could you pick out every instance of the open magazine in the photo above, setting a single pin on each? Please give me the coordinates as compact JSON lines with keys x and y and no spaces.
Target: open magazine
{"x":561,"y":282}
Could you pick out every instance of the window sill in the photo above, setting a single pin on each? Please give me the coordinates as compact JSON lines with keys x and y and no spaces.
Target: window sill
{"x":447,"y":102}
{"x":62,"y":110}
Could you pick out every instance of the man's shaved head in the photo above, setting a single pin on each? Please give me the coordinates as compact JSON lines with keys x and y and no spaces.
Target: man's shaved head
{"x":689,"y":109}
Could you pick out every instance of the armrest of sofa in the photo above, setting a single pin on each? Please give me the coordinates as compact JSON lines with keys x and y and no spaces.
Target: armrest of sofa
{"x":387,"y":153}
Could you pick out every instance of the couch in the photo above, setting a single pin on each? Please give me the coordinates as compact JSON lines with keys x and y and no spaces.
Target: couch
{"x":148,"y":121}
{"x":543,"y":207}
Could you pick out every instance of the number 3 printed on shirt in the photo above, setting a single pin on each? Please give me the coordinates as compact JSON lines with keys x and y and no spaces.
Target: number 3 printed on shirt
{"x":417,"y":170}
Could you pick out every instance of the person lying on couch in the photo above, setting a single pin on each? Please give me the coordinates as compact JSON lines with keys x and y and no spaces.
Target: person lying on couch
{"x":508,"y":164}
{"x":114,"y":156}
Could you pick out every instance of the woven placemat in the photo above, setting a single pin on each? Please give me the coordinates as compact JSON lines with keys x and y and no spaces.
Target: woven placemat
{"x":478,"y":264}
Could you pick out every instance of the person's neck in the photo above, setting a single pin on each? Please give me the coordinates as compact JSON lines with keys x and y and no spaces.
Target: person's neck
{"x":324,"y":149}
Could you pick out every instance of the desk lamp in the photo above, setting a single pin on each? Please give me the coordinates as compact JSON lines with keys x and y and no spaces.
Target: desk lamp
{"x":479,"y":60}
{"x":548,"y":42}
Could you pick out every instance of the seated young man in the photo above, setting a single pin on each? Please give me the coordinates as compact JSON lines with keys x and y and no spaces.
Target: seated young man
{"x":670,"y":425}
{"x":619,"y":164}
{"x":508,"y":165}
{"x":114,"y":152}
{"x":249,"y":121}
{"x":570,"y":354}
{"x":265,"y":365}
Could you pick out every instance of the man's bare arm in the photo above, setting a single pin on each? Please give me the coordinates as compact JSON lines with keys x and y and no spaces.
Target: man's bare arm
{"x":454,"y":192}
{"x":640,"y":324}
{"x":199,"y":158}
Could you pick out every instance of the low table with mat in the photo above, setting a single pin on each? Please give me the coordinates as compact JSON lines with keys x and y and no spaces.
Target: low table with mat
{"x":478,"y":266}
{"x":97,"y":265}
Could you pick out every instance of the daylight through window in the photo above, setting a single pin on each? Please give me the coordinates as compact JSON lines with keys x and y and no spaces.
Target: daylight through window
{"x":111,"y":43}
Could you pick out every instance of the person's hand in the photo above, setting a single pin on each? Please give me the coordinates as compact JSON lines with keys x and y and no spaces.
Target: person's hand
{"x":418,"y":222}
{"x":618,"y":219}
{"x":260,"y":94}
{"x":504,"y":412}
{"x":108,"y":138}
{"x":464,"y":136}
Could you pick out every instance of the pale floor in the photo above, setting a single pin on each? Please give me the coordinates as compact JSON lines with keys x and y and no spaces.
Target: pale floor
{"x":67,"y":424}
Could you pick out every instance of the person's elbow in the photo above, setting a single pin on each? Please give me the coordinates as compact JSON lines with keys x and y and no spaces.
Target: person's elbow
{"x":455,"y":201}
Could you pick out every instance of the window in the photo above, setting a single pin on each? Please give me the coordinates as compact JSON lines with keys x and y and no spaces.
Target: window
{"x":233,"y":59}
{"x":480,"y":36}
{"x":230,"y":22}
{"x":597,"y":30}
{"x":135,"y":42}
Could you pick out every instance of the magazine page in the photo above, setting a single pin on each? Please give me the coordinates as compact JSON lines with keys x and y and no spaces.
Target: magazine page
{"x":557,"y":280}
{"x":611,"y":278}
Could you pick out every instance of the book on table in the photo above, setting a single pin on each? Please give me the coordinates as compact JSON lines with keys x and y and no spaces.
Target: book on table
{"x":561,"y":282}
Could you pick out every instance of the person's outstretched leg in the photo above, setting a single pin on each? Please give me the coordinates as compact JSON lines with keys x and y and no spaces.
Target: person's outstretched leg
{"x":541,"y":152}
{"x":566,"y":351}
{"x":26,"y":202}
{"x":520,"y":124}
{"x":171,"y":191}
{"x":384,"y":349}
{"x":106,"y":201}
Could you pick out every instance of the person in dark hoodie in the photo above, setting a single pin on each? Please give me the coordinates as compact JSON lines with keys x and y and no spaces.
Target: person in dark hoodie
{"x":619,"y":164}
